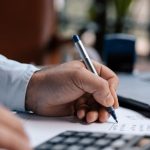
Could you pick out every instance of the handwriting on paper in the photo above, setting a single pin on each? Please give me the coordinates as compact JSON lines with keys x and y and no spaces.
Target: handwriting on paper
{"x":131,"y":127}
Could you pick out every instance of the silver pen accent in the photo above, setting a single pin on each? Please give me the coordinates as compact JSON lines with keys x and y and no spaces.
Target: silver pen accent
{"x":88,"y":63}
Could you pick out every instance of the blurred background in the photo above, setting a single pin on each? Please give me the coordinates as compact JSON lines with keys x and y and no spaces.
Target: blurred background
{"x":40,"y":31}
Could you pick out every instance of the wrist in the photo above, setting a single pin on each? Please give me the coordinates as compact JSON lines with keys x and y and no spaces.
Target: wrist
{"x":30,"y":92}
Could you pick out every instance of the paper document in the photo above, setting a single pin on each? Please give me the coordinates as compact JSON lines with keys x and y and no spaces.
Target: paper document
{"x":40,"y":129}
{"x":131,"y":127}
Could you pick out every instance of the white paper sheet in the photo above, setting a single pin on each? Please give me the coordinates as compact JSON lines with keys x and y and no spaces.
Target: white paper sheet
{"x":40,"y":129}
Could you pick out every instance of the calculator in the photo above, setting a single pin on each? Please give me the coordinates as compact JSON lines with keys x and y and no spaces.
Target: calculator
{"x":75,"y":140}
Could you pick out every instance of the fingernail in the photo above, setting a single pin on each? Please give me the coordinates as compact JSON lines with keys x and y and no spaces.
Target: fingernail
{"x":116,"y":104}
{"x":109,"y":101}
{"x":104,"y":117}
{"x":80,"y":114}
{"x":92,"y":116}
{"x":89,"y":120}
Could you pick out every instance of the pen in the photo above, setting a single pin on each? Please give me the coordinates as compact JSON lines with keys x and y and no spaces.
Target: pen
{"x":88,"y":63}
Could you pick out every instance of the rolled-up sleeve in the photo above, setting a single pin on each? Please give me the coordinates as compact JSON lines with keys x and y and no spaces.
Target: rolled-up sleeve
{"x":14,"y":79}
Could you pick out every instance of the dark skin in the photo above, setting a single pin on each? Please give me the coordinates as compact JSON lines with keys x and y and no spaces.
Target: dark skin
{"x":70,"y":89}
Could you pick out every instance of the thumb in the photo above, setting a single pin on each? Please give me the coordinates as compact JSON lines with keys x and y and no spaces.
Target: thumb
{"x":97,"y":86}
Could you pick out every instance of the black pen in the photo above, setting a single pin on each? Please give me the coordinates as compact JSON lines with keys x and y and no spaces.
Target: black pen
{"x":85,"y":57}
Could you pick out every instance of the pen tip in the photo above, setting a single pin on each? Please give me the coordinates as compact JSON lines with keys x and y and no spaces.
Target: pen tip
{"x":116,"y":121}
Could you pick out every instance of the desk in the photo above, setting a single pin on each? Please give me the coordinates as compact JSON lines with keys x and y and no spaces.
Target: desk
{"x":41,"y":129}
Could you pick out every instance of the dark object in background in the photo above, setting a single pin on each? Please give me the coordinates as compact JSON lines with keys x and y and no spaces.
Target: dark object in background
{"x":119,"y":52}
{"x":135,"y":105}
{"x":121,"y":7}
{"x":25,"y":28}
{"x":97,"y":14}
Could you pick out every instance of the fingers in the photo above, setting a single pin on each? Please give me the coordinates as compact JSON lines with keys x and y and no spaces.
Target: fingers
{"x":114,"y":94}
{"x":103,"y":115}
{"x":12,"y":134}
{"x":90,"y":116}
{"x":89,"y":110}
{"x":81,"y":113}
{"x":82,"y":107}
{"x":105,"y":88}
{"x":12,"y":141}
{"x":97,"y":86}
{"x":12,"y":122}
{"x":112,"y":79}
{"x":107,"y":74}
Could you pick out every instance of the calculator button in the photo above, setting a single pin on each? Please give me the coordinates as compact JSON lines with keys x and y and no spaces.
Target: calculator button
{"x":86,"y":141}
{"x":91,"y":148}
{"x":132,"y":148}
{"x":134,"y":141}
{"x":102,"y":142}
{"x":113,"y":136}
{"x":58,"y":147}
{"x":68,"y":133}
{"x":82,"y":134}
{"x":108,"y":148}
{"x":56,"y":139}
{"x":75,"y":147}
{"x":71,"y":140}
{"x":118,"y":144}
{"x":97,"y":135}
{"x":127,"y":137}
{"x":44,"y":146}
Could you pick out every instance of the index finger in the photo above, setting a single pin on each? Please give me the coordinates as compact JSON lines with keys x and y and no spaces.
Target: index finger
{"x":107,"y":74}
{"x":110,"y":77}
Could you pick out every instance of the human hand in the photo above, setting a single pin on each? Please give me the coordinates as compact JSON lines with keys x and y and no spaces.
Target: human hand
{"x":12,"y":135}
{"x":71,"y":89}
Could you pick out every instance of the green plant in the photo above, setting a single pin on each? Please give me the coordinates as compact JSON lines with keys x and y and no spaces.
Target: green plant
{"x":121,"y":7}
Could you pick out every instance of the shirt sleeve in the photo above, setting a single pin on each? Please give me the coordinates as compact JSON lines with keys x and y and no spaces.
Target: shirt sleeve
{"x":14,"y":79}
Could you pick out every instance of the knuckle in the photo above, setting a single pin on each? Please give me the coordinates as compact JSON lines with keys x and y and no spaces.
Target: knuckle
{"x":106,"y":95}
{"x":109,"y":99}
{"x":78,"y":64}
{"x":116,"y":78}
{"x":104,"y":84}
{"x":77,"y":72}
